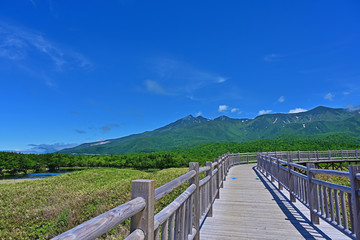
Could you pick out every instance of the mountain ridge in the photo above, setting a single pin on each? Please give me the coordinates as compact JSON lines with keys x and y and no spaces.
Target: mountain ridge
{"x":191,"y":131}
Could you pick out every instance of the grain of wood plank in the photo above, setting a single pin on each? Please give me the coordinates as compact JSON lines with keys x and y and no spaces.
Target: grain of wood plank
{"x":251,"y":207}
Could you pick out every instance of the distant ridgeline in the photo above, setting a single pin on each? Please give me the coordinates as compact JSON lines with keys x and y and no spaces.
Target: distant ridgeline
{"x":16,"y":162}
{"x":318,"y":123}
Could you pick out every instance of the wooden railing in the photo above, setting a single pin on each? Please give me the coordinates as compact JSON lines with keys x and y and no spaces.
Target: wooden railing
{"x":181,"y":219}
{"x":336,"y":204}
{"x":318,"y":156}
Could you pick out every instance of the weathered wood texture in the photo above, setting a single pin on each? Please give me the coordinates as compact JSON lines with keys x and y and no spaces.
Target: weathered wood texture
{"x":144,"y":220}
{"x":101,"y":224}
{"x":251,"y":207}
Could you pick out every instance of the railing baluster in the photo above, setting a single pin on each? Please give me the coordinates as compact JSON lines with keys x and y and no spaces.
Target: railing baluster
{"x":321,"y":200}
{"x":331,"y":200}
{"x":343,"y":209}
{"x":337,"y":207}
{"x":326,"y":208}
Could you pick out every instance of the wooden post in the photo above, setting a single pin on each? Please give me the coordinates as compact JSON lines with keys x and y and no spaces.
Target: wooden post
{"x":221,"y":172}
{"x":298,"y":153}
{"x":209,"y":173}
{"x":247,"y":158}
{"x":312,"y":194}
{"x":355,"y":198}
{"x":278,"y":173}
{"x":144,"y":220}
{"x":291,"y":180}
{"x":217,"y":179}
{"x":271,"y":170}
{"x":196,"y":197}
{"x":342,"y":155}
{"x":329,"y":154}
{"x":356,"y":153}
{"x":267,"y":170}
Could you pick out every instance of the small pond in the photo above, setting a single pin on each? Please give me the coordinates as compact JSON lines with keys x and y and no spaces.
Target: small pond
{"x":34,"y":175}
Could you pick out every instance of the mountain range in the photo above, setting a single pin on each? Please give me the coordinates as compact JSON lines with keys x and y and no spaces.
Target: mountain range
{"x":191,"y":131}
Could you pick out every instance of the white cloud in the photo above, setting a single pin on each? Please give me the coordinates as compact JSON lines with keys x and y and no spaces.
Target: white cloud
{"x":21,"y":44}
{"x":45,"y":148}
{"x":346,"y":93}
{"x":272,"y":57}
{"x":182,"y":78}
{"x":297,"y":110}
{"x":223,"y":108}
{"x":234,"y":110}
{"x":352,"y":108}
{"x":329,"y":96}
{"x":198,"y":114}
{"x":262,"y":112}
{"x":281,"y":99}
{"x":33,"y":3}
{"x":155,"y":87}
{"x":221,"y":79}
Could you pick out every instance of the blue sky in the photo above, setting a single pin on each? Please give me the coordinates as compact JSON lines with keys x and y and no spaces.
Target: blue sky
{"x":72,"y":72}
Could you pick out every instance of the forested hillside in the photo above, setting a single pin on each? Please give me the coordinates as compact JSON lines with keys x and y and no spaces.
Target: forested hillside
{"x":190,"y":131}
{"x":16,"y":162}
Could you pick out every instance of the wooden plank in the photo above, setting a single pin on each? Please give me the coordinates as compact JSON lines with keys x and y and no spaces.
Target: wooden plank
{"x":251,"y":207}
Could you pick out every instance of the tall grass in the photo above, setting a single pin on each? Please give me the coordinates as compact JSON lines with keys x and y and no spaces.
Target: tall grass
{"x":41,"y":209}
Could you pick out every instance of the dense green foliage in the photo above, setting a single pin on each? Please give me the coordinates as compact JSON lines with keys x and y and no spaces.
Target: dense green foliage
{"x":15,"y":162}
{"x":41,"y":209}
{"x":190,"y":131}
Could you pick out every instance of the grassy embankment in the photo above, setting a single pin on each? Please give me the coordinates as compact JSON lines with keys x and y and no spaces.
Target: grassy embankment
{"x":41,"y":209}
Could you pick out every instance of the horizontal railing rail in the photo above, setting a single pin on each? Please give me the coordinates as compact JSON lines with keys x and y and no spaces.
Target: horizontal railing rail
{"x":336,"y":204}
{"x":317,"y":156}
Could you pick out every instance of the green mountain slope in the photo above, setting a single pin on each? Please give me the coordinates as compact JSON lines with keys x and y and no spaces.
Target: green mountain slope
{"x":192,"y":131}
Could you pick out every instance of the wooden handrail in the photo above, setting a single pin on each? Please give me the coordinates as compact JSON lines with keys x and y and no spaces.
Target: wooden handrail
{"x":321,"y":197}
{"x":101,"y":224}
{"x":165,"y":189}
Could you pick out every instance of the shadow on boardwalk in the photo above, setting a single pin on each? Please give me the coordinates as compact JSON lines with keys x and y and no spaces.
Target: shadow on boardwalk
{"x":307,"y":229}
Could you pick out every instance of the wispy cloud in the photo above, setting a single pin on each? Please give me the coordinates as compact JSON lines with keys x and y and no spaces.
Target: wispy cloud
{"x":223,"y":108}
{"x":234,"y":110}
{"x":281,"y":99}
{"x":272,"y":57}
{"x":80,"y":131}
{"x":155,"y":87}
{"x":198,"y":114}
{"x":262,"y":112}
{"x":329,"y":96}
{"x":297,"y":110}
{"x":221,"y":79}
{"x":108,"y":127}
{"x":46,"y":148}
{"x":25,"y":46}
{"x":175,"y":78}
{"x":352,"y":108}
{"x":33,"y":2}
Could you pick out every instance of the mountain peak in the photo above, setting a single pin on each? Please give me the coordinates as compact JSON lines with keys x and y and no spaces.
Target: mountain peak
{"x":222,"y":118}
{"x":188,"y":118}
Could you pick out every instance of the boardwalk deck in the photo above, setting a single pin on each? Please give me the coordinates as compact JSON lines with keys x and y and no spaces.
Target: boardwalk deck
{"x":251,"y":207}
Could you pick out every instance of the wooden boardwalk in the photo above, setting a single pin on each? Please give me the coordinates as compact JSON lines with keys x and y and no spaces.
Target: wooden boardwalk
{"x":251,"y":207}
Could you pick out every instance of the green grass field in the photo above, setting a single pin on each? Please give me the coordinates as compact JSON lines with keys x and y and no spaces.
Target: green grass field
{"x":41,"y":209}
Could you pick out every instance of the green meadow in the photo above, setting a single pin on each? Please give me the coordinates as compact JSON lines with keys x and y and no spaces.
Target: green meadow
{"x":42,"y":209}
